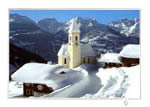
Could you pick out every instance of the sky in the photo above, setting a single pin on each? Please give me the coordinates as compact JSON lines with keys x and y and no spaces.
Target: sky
{"x":102,"y":16}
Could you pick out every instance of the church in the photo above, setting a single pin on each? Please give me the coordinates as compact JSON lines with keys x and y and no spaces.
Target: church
{"x":74,"y":53}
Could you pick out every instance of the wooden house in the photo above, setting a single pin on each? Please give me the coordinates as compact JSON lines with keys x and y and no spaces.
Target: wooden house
{"x":39,"y":79}
{"x":109,"y":60}
{"x":36,"y":89}
{"x":130,"y":55}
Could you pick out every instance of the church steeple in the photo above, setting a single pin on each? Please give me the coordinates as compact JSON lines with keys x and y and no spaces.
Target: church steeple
{"x":74,"y":33}
{"x":74,"y":28}
{"x":74,"y":45}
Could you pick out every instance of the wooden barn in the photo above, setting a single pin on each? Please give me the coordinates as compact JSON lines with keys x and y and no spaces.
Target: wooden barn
{"x":110,"y":60}
{"x":36,"y":89}
{"x":40,"y":79}
{"x":130,"y":55}
{"x":34,"y":83}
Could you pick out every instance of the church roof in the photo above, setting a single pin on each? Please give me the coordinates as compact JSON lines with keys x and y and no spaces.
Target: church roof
{"x":74,"y":28}
{"x":86,"y":50}
{"x":63,"y":50}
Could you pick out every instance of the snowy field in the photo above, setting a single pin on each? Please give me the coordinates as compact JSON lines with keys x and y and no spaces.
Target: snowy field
{"x":95,"y":83}
{"x":118,"y":82}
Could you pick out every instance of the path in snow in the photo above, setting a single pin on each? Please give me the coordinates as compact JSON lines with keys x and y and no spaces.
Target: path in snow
{"x":89,"y":85}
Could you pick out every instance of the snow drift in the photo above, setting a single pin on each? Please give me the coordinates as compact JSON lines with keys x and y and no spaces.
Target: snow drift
{"x":118,"y":82}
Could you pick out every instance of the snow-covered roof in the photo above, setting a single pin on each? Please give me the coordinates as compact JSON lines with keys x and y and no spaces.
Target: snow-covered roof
{"x":131,"y":51}
{"x":74,"y":28}
{"x":86,"y":50}
{"x":63,"y":50}
{"x":45,"y":74}
{"x":110,"y":58}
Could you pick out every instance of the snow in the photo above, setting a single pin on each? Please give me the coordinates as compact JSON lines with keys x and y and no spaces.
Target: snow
{"x":94,"y":83}
{"x":128,"y":27}
{"x":34,"y":32}
{"x":90,"y":24}
{"x":90,"y":84}
{"x":119,"y":82}
{"x":111,"y":81}
{"x":131,"y":51}
{"x":82,"y":69}
{"x":74,"y":27}
{"x":46,"y":74}
{"x":86,"y":50}
{"x":15,"y":89}
{"x":11,"y":20}
{"x":132,"y":28}
{"x":110,"y":57}
{"x":134,"y":80}
{"x":63,"y":50}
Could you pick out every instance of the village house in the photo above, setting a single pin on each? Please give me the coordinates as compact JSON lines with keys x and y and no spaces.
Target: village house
{"x":109,"y":60}
{"x":130,"y":55}
{"x":39,"y":79}
{"x":75,"y":53}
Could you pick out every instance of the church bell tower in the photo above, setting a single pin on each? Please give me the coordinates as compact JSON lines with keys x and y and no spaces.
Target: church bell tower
{"x":74,"y":45}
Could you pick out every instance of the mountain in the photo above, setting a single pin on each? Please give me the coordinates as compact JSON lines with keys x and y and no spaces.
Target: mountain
{"x":26,"y":34}
{"x":51,"y":25}
{"x":45,"y":38}
{"x":126,"y":27}
{"x":104,"y":38}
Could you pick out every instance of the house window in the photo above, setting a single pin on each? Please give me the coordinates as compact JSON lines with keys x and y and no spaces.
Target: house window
{"x":40,"y":87}
{"x":65,"y":61}
{"x":28,"y":92}
{"x":76,"y":38}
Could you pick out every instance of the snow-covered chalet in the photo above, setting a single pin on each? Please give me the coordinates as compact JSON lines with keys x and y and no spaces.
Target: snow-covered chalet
{"x":109,"y":60}
{"x":75,"y":53}
{"x":39,"y":79}
{"x":130,"y":55}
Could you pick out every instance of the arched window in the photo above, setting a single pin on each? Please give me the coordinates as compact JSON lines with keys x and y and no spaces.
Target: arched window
{"x":70,"y":38}
{"x":83,"y":60}
{"x":88,"y":60}
{"x":76,"y":38}
{"x":65,"y":61}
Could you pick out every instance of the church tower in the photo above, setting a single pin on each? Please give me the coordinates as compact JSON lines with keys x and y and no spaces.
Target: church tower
{"x":74,"y":45}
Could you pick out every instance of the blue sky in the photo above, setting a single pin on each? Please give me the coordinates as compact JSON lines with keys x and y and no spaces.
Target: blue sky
{"x":102,"y":16}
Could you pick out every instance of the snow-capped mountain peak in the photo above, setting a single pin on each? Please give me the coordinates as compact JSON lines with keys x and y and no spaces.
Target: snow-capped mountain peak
{"x":128,"y":27}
